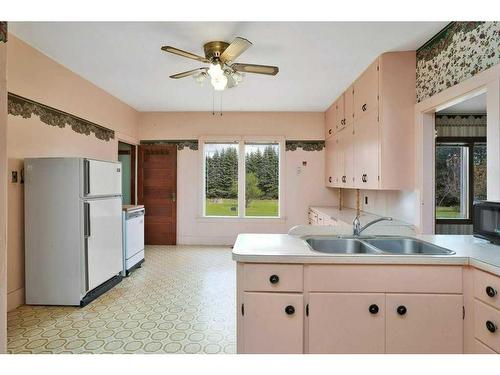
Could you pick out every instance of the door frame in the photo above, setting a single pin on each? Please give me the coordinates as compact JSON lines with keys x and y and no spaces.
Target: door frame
{"x":486,"y":81}
{"x":132,"y":153}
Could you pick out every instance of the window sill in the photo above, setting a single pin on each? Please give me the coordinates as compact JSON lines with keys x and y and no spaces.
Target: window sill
{"x":226,"y":219}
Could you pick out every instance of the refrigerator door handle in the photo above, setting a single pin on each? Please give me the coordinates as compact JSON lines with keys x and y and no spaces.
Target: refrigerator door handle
{"x":86,"y":221}
{"x":86,"y":177}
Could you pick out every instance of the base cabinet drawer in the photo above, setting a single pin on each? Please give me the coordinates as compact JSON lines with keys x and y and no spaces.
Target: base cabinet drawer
{"x":487,"y":325}
{"x":273,"y":277}
{"x":345,"y":323}
{"x":487,"y":288}
{"x":480,"y":348}
{"x":424,"y":324}
{"x":273,"y":323}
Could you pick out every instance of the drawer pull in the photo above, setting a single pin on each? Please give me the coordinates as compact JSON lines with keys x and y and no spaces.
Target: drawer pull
{"x":290,"y":310}
{"x":363,"y":107}
{"x":373,"y":309}
{"x":401,"y":310}
{"x":490,"y":291}
{"x":490,"y":326}
{"x":274,"y":279}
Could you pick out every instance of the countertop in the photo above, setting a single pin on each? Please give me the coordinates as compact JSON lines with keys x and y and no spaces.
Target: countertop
{"x":284,"y":248}
{"x":131,"y":207}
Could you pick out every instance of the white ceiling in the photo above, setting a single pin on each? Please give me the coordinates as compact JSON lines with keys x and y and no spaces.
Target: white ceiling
{"x":475,"y":105}
{"x":317,"y":60}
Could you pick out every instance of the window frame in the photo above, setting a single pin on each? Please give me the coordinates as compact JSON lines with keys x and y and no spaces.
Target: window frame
{"x":240,"y":141}
{"x":469,"y":143}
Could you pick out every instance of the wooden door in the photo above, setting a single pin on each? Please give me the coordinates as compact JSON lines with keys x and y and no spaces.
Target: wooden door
{"x":157,"y":191}
{"x":330,"y":160}
{"x":348,"y":323}
{"x":366,"y":152}
{"x":366,"y":92}
{"x":424,"y":323}
{"x":273,"y":323}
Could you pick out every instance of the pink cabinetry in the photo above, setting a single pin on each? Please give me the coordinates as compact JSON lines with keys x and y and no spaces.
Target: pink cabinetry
{"x":346,"y":323}
{"x":432,"y":321}
{"x":379,"y":106}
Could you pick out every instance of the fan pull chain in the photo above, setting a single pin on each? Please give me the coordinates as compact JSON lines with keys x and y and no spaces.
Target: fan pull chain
{"x":213,"y":102}
{"x":221,"y":102}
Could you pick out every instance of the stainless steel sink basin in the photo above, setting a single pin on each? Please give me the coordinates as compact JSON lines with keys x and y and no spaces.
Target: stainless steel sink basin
{"x":407,"y":246}
{"x":341,"y":246}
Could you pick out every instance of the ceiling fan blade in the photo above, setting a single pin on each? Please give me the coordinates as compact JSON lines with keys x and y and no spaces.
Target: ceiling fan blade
{"x":259,"y":69}
{"x":236,"y":48}
{"x":188,"y":73}
{"x":182,"y":53}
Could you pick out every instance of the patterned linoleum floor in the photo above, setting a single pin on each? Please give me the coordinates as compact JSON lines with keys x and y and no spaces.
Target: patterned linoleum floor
{"x":182,"y":300}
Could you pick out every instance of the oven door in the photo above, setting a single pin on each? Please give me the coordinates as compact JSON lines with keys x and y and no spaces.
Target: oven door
{"x":487,"y":221}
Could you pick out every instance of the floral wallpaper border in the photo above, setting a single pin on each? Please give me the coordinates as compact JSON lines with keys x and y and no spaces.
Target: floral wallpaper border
{"x":293,"y":145}
{"x":192,"y":144}
{"x":461,"y":125}
{"x":20,"y":106}
{"x":456,"y":53}
{"x":3,"y":31}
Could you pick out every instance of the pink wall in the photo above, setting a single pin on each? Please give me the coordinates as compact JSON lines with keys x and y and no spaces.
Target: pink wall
{"x":35,"y":76}
{"x":3,"y":198}
{"x":301,"y":190}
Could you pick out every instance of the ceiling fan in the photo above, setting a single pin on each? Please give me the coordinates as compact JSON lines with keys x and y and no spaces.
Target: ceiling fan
{"x":222,"y":71}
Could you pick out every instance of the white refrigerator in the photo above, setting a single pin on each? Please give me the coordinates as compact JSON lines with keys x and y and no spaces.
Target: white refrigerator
{"x":73,"y":231}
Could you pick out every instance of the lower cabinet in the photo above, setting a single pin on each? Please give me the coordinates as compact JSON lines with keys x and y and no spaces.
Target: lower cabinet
{"x":273,"y":323}
{"x":346,"y":323}
{"x":424,"y":323}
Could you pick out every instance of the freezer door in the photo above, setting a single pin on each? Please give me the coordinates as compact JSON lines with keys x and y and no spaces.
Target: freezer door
{"x":103,"y":240}
{"x":101,"y":178}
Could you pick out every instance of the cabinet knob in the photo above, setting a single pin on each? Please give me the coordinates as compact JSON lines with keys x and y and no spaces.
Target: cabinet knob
{"x":490,"y":291}
{"x":490,"y":326}
{"x":401,"y":310}
{"x":363,"y":107}
{"x":330,"y":179}
{"x":274,"y":279}
{"x":373,"y":309}
{"x":290,"y":310}
{"x":329,"y":131}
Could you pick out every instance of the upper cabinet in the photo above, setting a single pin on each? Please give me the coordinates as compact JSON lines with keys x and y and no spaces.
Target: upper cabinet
{"x":377,"y":109}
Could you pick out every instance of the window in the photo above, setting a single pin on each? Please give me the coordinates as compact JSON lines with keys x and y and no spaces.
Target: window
{"x":460,"y":177}
{"x":242,"y":179}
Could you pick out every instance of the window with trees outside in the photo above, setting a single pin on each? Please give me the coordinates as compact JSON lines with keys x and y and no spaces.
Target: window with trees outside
{"x":460,"y":177}
{"x":242,"y":179}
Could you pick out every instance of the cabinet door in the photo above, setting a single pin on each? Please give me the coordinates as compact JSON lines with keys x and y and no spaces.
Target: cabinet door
{"x":346,"y":323}
{"x":331,"y":152}
{"x":366,"y":152}
{"x":273,"y":323}
{"x":348,"y":150}
{"x":330,"y":118}
{"x":339,"y":171}
{"x":366,"y":92}
{"x":340,"y":120}
{"x":424,"y":323}
{"x":349,"y":105}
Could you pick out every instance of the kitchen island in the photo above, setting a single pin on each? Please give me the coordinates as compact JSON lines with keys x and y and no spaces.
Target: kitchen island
{"x":293,"y":299}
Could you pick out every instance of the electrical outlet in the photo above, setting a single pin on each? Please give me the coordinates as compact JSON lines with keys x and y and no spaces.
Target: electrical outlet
{"x":299,"y":170}
{"x":14,"y":177}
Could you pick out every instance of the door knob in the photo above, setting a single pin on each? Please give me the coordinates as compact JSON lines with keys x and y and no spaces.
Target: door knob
{"x":401,"y":310}
{"x":490,"y":326}
{"x":173,"y":196}
{"x":490,"y":291}
{"x":290,"y":310}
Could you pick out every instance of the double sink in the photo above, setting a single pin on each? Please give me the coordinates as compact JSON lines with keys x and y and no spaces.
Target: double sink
{"x":377,"y":245}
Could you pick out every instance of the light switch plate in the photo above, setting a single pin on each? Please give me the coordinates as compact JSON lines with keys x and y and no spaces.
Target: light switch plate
{"x":14,"y":177}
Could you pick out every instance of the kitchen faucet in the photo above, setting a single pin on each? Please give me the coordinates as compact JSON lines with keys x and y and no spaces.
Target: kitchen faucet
{"x":357,"y":228}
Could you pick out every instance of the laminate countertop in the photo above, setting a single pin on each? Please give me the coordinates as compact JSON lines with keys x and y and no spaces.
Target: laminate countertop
{"x":284,"y":248}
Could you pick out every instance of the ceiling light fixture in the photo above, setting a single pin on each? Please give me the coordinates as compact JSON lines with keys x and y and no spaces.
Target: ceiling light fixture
{"x":217,"y":77}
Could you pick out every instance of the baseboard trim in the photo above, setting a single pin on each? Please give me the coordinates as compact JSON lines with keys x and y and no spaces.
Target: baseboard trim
{"x":15,"y":299}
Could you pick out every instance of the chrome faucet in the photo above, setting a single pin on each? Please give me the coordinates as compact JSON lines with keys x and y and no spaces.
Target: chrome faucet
{"x":357,"y":228}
